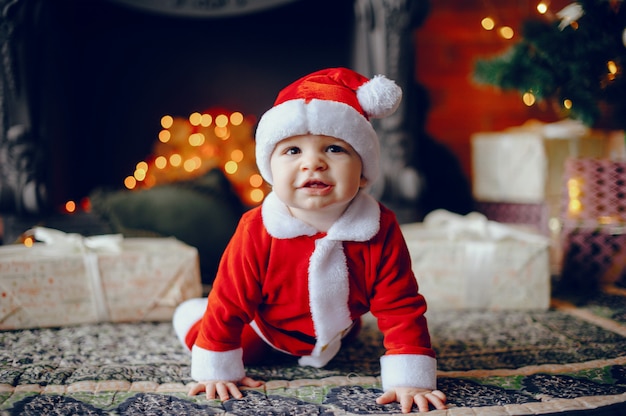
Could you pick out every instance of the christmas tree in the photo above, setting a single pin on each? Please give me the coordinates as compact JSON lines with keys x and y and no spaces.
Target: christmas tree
{"x":575,"y":59}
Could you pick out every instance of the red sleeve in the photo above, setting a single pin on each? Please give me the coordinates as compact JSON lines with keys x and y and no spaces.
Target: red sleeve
{"x":396,"y":301}
{"x":236,"y":291}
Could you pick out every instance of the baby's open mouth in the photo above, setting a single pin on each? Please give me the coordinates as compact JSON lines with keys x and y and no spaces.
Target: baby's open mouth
{"x":315,"y":184}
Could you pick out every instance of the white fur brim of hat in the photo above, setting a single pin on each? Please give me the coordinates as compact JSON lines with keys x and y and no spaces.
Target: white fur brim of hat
{"x":378,"y":97}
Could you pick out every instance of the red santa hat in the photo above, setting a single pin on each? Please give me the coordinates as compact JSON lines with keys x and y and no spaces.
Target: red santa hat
{"x":336,"y":102}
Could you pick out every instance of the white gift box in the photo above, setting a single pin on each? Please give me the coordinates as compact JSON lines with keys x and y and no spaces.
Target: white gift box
{"x":74,"y":280}
{"x":468,"y":262}
{"x":509,"y":167}
{"x":524,"y":164}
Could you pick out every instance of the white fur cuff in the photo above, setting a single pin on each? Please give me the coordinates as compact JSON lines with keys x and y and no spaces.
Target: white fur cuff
{"x":214,"y":365}
{"x":408,"y":370}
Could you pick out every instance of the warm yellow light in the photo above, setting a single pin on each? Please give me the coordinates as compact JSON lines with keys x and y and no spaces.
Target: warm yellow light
{"x":573,"y":188}
{"x":236,"y":155}
{"x":574,"y":206}
{"x":195,"y":119}
{"x":606,"y":219}
{"x":222,"y":132}
{"x":256,"y":180}
{"x":567,"y":104}
{"x":167,"y":121}
{"x":176,"y":160}
{"x":231,"y":167}
{"x":542,"y":8}
{"x":189,"y":165}
{"x":206,"y":120}
{"x":487,"y":23}
{"x":165,"y":136}
{"x":142,"y":166}
{"x":160,"y":162}
{"x":221,"y":120}
{"x":528,"y":98}
{"x":140,"y":174}
{"x":196,"y":139}
{"x":130,"y":182}
{"x":29,"y":241}
{"x":236,"y":118}
{"x":70,"y":206}
{"x":506,"y":32}
{"x":612,"y":66}
{"x":257,"y":195}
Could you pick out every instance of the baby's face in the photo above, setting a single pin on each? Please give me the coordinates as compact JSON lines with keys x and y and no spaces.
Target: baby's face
{"x":314,"y":173}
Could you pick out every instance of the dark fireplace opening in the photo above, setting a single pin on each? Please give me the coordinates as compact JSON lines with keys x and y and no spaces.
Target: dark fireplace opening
{"x":103,"y":74}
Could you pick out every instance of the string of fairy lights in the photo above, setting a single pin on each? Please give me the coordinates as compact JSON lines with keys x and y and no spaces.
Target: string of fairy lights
{"x":190,"y":147}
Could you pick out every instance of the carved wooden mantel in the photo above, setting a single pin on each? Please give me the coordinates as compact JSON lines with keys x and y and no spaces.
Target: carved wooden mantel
{"x":383,"y":44}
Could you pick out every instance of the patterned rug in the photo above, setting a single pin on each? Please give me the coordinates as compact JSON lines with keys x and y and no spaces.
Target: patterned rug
{"x":567,"y":360}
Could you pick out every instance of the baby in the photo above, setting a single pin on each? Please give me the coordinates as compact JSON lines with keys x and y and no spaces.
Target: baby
{"x":302,"y":268}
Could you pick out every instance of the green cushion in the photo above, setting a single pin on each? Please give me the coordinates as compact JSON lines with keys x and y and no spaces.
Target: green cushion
{"x":202,"y":213}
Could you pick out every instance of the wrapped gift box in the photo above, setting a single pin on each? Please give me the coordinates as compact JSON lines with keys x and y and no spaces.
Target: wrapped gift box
{"x":594,"y":191}
{"x":509,"y":167}
{"x":524,"y":164}
{"x":472,"y":263}
{"x":77,"y":280}
{"x":593,"y":217}
{"x":593,"y":256}
{"x":531,"y":215}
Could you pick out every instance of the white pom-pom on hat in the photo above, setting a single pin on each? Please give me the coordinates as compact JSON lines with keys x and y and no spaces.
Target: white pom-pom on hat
{"x":336,"y":102}
{"x":379,"y":97}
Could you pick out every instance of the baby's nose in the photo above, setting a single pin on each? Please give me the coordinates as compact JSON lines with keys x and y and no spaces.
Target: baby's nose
{"x":313,"y":161}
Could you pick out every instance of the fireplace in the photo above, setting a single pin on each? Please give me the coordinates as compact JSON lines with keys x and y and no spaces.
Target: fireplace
{"x":85,"y":83}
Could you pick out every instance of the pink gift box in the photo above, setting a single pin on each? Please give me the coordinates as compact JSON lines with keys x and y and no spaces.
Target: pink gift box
{"x":593,"y":256}
{"x":532,"y":215}
{"x":593,"y":215}
{"x":594,"y":191}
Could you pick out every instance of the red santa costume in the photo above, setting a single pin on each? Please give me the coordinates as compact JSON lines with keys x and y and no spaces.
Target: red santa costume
{"x":302,"y":290}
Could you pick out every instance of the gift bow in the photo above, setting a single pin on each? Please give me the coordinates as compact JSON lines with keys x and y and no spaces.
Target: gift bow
{"x":475,"y":225}
{"x":110,"y":243}
{"x":88,"y":247}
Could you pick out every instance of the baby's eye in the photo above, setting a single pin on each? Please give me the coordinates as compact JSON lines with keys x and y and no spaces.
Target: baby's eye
{"x":334,"y":148}
{"x":292,"y":150}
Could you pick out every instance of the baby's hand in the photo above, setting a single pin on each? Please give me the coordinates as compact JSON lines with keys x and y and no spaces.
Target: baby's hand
{"x":406,"y":396}
{"x":224,"y":389}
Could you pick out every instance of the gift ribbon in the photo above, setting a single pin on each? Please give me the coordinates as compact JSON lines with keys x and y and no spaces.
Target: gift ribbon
{"x":476,"y":226}
{"x":88,"y":247}
{"x":480,"y":270}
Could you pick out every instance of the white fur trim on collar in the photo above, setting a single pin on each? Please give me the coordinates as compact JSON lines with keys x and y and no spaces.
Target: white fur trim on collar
{"x":279,"y":222}
{"x":360,"y":222}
